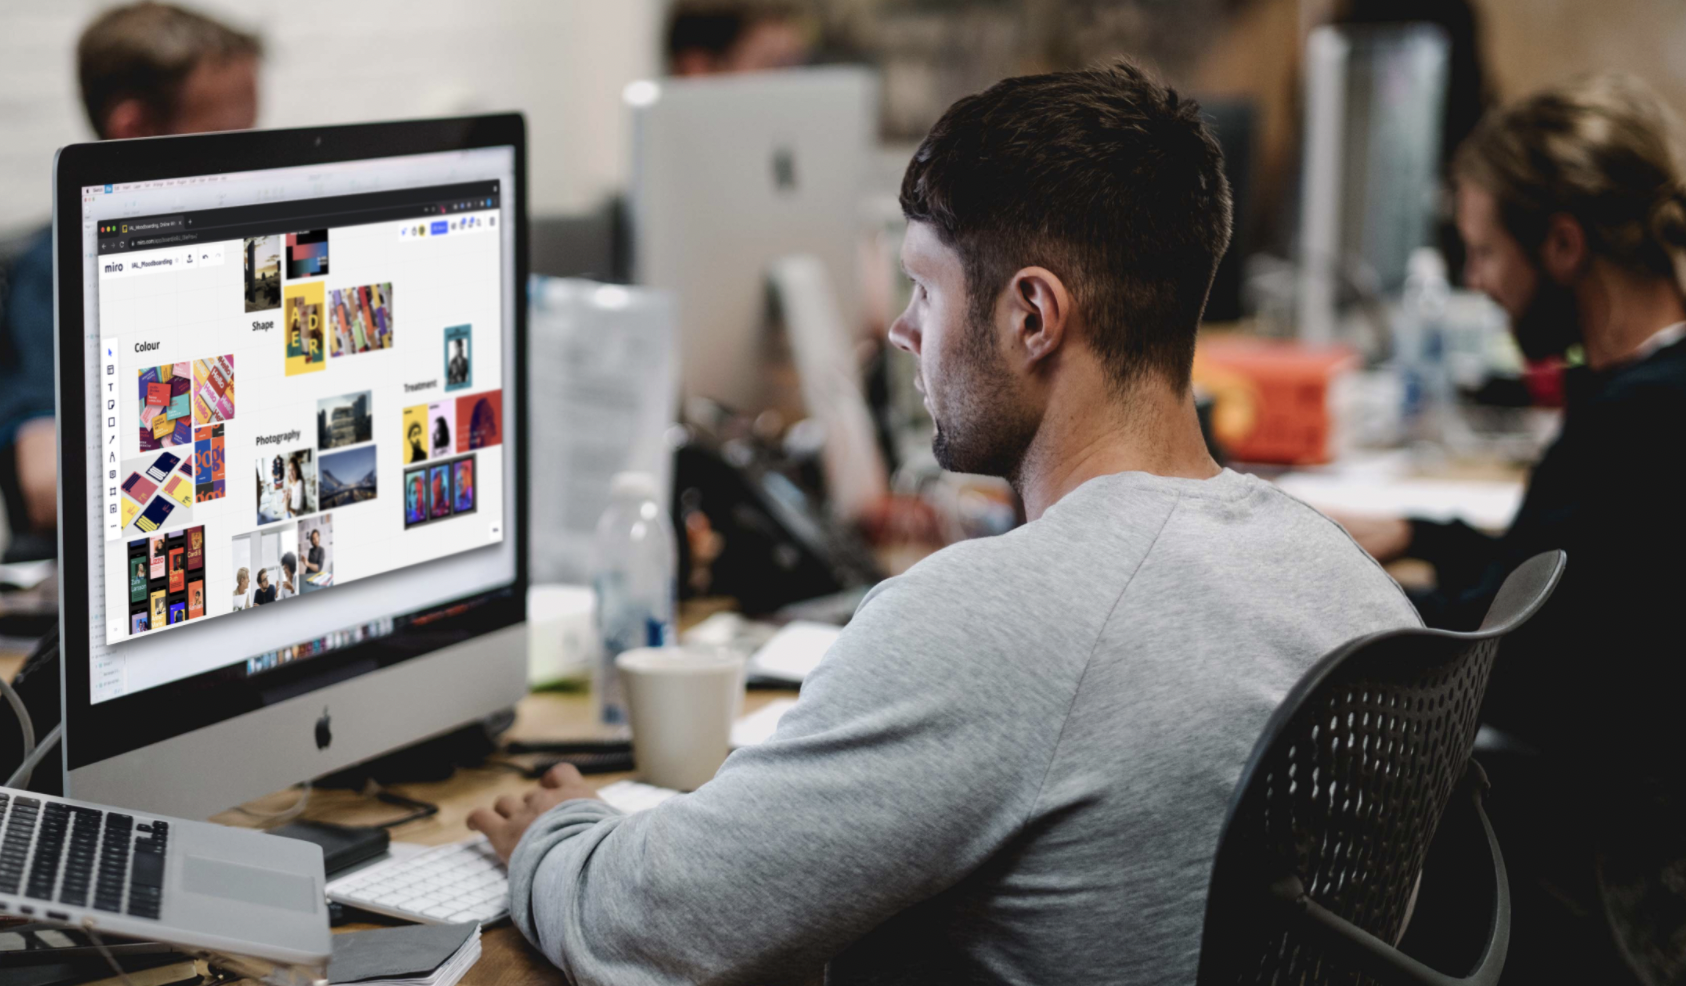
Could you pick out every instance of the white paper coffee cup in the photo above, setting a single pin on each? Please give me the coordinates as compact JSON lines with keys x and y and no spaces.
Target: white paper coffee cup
{"x":681,"y":701}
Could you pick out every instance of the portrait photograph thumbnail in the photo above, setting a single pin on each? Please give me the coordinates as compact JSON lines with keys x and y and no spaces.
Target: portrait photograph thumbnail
{"x":359,"y":319}
{"x":316,"y":553}
{"x":166,"y":575}
{"x":266,"y":566}
{"x":213,"y":390}
{"x":415,"y":497}
{"x":459,"y":355}
{"x":442,"y":422}
{"x":462,"y":486}
{"x":302,"y":314}
{"x":286,"y":483}
{"x":479,"y":421}
{"x":347,"y":477}
{"x":307,"y":254}
{"x":263,"y":273}
{"x":344,"y":420}
{"x":439,"y":491}
{"x":166,"y":409}
{"x":415,"y":434}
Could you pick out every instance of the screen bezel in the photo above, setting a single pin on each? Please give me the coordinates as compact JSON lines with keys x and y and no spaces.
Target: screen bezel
{"x":122,"y":725}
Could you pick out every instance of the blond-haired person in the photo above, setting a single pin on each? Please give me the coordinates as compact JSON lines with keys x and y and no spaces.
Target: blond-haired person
{"x":1572,"y":204}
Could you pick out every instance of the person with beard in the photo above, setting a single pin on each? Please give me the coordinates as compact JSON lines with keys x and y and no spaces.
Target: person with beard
{"x":1013,"y":764}
{"x":1572,"y":204}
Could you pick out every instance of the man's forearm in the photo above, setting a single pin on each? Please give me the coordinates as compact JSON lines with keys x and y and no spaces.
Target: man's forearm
{"x":538,"y":910}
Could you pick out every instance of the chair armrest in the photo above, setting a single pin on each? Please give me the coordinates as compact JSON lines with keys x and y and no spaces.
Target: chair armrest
{"x":1381,"y":961}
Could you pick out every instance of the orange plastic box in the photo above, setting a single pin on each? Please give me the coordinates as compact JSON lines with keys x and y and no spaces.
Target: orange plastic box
{"x":1272,"y":399}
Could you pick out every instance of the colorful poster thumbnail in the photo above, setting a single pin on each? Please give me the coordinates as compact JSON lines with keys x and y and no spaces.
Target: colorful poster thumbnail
{"x":213,"y":390}
{"x":307,"y":254}
{"x":479,"y":421}
{"x":166,"y":579}
{"x":302,"y":314}
{"x":157,"y":491}
{"x":440,"y":490}
{"x":359,"y":319}
{"x":210,"y":468}
{"x":452,"y":426}
{"x":164,"y":406}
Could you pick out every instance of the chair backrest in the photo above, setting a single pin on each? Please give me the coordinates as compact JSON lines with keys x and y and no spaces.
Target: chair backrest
{"x":1346,"y":787}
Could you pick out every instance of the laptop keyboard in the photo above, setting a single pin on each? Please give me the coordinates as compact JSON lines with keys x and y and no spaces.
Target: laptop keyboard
{"x":56,"y":852}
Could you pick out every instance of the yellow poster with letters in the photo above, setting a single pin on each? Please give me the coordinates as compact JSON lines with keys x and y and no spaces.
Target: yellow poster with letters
{"x":302,"y":321}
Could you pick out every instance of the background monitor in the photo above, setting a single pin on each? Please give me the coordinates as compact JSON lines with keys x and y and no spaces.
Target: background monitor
{"x":291,"y":430}
{"x":731,"y":175}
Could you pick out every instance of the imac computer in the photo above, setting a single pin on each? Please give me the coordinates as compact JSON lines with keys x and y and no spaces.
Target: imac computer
{"x":291,"y":451}
{"x":730,"y":176}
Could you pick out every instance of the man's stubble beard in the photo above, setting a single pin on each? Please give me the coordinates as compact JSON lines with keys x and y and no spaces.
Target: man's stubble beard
{"x":985,"y":428}
{"x":1550,"y":323}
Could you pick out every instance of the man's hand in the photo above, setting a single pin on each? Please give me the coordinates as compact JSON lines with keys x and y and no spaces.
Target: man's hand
{"x":507,"y":820}
{"x":1385,"y":538}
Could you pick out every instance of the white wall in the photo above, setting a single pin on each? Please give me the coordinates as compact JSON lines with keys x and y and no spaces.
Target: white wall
{"x":562,"y":62}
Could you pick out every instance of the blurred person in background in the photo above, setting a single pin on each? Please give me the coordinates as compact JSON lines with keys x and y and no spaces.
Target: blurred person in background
{"x":711,"y":37}
{"x":1572,"y":206}
{"x":146,"y":70}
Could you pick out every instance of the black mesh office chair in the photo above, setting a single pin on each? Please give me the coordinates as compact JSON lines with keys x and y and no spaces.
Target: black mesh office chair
{"x":1333,"y":817}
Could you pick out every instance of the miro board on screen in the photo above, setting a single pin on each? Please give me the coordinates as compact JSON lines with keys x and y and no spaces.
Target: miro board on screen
{"x":326,"y":410}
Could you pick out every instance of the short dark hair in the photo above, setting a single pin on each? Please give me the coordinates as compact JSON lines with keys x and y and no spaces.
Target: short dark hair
{"x":145,"y":50}
{"x":715,"y":26}
{"x":1106,"y":177}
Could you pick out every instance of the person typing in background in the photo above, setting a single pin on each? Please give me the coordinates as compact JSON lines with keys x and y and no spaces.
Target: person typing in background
{"x":145,"y":69}
{"x":1013,"y":764}
{"x":1572,"y":205}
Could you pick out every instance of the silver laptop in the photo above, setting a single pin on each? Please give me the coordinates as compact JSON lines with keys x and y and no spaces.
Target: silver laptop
{"x":253,"y":902}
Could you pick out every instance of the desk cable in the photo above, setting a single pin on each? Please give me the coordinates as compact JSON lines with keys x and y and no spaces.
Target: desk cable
{"x":32,"y":753}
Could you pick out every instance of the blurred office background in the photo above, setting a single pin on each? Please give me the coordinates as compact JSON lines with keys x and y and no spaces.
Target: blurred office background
{"x":565,"y":62}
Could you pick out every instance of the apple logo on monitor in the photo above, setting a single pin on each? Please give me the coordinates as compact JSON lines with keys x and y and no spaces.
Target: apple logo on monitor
{"x":784,"y":169}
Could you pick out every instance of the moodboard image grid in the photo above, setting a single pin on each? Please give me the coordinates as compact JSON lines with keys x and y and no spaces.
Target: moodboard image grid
{"x":270,"y":535}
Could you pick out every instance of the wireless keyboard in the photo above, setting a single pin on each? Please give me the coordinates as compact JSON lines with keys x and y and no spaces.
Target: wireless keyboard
{"x":462,"y":881}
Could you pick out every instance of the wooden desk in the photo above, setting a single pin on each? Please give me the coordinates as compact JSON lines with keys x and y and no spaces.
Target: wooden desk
{"x":506,"y":958}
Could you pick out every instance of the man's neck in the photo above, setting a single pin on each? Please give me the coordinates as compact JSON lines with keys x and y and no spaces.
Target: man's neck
{"x":1619,"y":311}
{"x":1152,"y":431}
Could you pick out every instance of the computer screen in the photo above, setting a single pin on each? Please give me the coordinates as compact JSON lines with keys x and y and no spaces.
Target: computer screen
{"x":298,"y":394}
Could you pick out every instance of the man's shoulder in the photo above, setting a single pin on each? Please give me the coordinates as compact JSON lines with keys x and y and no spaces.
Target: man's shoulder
{"x":1656,"y":383}
{"x":1044,"y":575}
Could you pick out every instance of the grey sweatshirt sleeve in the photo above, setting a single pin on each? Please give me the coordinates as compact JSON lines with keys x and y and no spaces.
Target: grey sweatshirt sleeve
{"x":898,"y":772}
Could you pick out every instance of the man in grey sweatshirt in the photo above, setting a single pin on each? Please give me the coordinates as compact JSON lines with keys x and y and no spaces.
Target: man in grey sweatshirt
{"x":1013,"y":765}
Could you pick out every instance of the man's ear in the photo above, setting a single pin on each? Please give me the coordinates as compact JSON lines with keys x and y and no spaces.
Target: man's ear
{"x":128,"y":118}
{"x":1563,"y":253}
{"x":1039,"y":307}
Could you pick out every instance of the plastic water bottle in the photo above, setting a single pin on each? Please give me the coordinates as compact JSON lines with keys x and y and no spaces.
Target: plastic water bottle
{"x":1420,"y":346}
{"x":633,"y":566}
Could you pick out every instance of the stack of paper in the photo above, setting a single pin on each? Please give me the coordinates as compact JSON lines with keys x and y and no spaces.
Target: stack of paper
{"x":416,"y":955}
{"x":794,"y":651}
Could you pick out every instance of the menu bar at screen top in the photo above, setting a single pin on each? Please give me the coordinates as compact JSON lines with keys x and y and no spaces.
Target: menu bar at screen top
{"x":294,"y":395}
